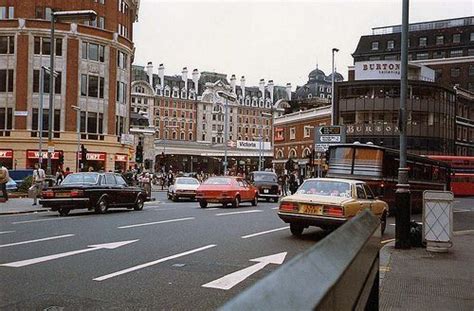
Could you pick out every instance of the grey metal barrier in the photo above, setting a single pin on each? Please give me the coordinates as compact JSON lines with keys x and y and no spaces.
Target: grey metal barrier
{"x":339,"y":273}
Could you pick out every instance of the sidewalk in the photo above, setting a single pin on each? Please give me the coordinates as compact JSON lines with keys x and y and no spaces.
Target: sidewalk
{"x":19,"y":206}
{"x":419,"y":280}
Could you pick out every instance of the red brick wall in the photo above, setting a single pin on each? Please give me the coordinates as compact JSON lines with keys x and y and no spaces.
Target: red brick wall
{"x":21,"y":79}
{"x":112,"y":90}
{"x":72,"y":83}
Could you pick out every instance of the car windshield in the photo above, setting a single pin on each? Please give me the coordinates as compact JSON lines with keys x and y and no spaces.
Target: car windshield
{"x":186,"y":181}
{"x":325,"y":188}
{"x":217,"y":181}
{"x":265,"y":177}
{"x":78,"y":178}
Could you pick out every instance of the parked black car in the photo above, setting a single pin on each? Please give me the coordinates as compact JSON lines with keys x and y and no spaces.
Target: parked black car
{"x":94,"y":191}
{"x":267,"y":184}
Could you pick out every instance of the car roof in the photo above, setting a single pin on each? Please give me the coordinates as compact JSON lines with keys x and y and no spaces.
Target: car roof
{"x":350,"y":181}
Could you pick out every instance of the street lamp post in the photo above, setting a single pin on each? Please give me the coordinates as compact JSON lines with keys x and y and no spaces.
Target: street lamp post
{"x":64,"y":16}
{"x":270,"y":115}
{"x":402,"y":194}
{"x":78,"y":128}
{"x":333,"y":117}
{"x":227,"y":97}
{"x":41,"y":112}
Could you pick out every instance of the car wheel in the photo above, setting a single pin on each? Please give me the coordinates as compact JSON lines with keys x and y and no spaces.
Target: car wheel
{"x":169,"y":196}
{"x":174,"y":198}
{"x":203,"y":204}
{"x":63,"y":211}
{"x":236,"y":202}
{"x":139,"y":204}
{"x":383,"y":223}
{"x":296,"y":229}
{"x":102,"y":206}
{"x":255,"y":200}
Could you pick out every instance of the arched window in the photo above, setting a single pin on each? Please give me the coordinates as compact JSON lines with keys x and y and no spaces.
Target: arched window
{"x":167,"y":136}
{"x":181,"y":136}
{"x":306,"y":153}
{"x":174,"y":135}
{"x":157,"y":134}
{"x":292,"y":154}
{"x":190,"y":136}
{"x":279,"y":154}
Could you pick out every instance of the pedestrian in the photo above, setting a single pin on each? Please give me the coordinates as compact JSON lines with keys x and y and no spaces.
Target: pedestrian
{"x":293,"y":183}
{"x":67,"y":172}
{"x":4,"y":178}
{"x":91,"y":169}
{"x":59,"y":176}
{"x":39,"y":177}
{"x":170,"y":178}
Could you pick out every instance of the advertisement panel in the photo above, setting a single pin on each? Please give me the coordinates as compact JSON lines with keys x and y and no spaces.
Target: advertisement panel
{"x":377,"y":70}
{"x":253,"y":145}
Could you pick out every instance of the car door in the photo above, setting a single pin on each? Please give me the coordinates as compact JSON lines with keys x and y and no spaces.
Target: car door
{"x":248,"y":190}
{"x":127,"y":193}
{"x":362,"y":197}
{"x":111,"y":189}
{"x":374,"y":207}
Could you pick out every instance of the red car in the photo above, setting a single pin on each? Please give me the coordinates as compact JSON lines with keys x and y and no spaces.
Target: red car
{"x":226,"y":190}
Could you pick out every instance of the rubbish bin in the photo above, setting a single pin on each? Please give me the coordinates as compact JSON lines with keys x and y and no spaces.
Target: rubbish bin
{"x":438,"y":220}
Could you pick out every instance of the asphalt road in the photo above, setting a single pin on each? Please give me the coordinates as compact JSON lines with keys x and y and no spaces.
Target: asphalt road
{"x":167,"y":253}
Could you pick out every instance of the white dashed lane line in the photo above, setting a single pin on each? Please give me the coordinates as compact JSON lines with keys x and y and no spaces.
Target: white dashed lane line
{"x":156,"y":222}
{"x":237,"y":213}
{"x":264,"y":232}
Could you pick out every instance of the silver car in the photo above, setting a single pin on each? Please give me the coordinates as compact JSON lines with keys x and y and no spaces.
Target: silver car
{"x":183,"y":187}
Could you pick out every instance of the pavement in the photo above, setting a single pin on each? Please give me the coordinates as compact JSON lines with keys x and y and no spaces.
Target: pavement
{"x":20,"y":206}
{"x":416,"y":279}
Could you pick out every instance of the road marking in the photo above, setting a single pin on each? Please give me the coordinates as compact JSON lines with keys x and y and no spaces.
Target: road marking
{"x":463,"y":232}
{"x":155,"y":223}
{"x":277,"y":207}
{"x":151,"y":263}
{"x":264,"y":232}
{"x":90,"y":248}
{"x":462,"y":210}
{"x":387,"y":241}
{"x":211,"y":209}
{"x":230,"y":280}
{"x":38,"y":240}
{"x":164,"y":209}
{"x":391,"y":224}
{"x":5,"y":232}
{"x":242,"y":212}
{"x":38,"y":220}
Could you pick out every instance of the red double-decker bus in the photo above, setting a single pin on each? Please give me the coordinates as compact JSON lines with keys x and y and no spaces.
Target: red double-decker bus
{"x":462,"y":170}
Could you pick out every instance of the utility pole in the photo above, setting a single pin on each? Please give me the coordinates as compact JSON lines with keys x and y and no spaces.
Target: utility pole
{"x":402,"y":195}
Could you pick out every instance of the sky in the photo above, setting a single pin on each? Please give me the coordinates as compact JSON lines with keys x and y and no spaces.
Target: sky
{"x":274,"y":40}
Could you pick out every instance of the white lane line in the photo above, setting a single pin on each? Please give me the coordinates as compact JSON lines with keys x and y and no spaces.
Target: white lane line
{"x":5,"y":232}
{"x":242,"y":212}
{"x":264,"y":232}
{"x":151,"y":263}
{"x":462,"y":210}
{"x":275,"y":207}
{"x":164,"y":209}
{"x":38,"y":220}
{"x":38,"y":240}
{"x":156,"y":222}
{"x":463,"y":232}
{"x":212,"y":209}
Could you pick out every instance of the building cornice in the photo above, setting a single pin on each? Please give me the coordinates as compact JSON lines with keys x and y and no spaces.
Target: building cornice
{"x":303,"y":115}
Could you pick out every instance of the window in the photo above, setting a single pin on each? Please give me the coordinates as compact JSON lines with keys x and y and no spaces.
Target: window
{"x":121,"y":92}
{"x":455,"y":53}
{"x":7,"y":45}
{"x":390,"y":44}
{"x":122,"y":60}
{"x":456,"y":38}
{"x":360,"y":192}
{"x":439,"y":54}
{"x":292,"y":133}
{"x":422,"y":56}
{"x":307,"y":131}
{"x":470,"y":52}
{"x":391,"y":57}
{"x":439,"y":40}
{"x":375,"y":45}
{"x":471,"y":36}
{"x":471,"y":70}
{"x":92,"y":51}
{"x":92,"y":86}
{"x":422,"y":41}
{"x":7,"y":12}
{"x":101,"y":22}
{"x":455,"y":72}
{"x":36,"y":82}
{"x":42,"y":45}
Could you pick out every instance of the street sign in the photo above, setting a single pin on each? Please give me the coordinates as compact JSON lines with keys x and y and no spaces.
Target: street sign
{"x":327,"y":135}
{"x":51,"y":149}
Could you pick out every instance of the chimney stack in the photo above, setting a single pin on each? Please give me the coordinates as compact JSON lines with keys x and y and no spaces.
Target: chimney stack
{"x":184,"y":76}
{"x":161,"y":75}
{"x":149,"y":71}
{"x":288,"y":90}
{"x":270,"y":89}
{"x":232,"y":83}
{"x":196,"y":81}
{"x":242,"y":86}
{"x":261,"y":86}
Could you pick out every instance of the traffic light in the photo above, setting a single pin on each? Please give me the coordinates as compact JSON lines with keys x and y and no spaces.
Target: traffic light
{"x":139,"y":153}
{"x":83,"y":156}
{"x":61,"y":158}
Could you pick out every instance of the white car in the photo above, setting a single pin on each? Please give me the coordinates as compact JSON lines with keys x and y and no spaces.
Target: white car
{"x":183,"y":187}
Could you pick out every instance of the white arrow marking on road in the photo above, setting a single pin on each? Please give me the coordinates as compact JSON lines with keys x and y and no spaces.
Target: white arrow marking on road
{"x":33,"y":261}
{"x":38,"y":240}
{"x":230,"y":280}
{"x":156,"y":222}
{"x":236,"y":213}
{"x":264,"y":232}
{"x":5,"y":232}
{"x":151,"y":263}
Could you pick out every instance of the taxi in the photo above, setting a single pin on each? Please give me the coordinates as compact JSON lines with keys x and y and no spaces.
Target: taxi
{"x":328,"y":203}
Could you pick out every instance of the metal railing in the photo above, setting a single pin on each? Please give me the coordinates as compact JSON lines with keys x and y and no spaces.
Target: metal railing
{"x":339,"y":273}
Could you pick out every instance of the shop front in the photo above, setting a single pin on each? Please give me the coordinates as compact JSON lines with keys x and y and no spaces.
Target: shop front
{"x":120,"y":162}
{"x":95,"y":161}
{"x":6,"y":158}
{"x":32,"y":157}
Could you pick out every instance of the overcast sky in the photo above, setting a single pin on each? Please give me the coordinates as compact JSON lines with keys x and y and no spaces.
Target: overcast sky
{"x":279,"y":40}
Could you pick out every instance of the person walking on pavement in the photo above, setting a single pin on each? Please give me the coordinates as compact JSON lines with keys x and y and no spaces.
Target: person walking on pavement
{"x":39,"y":177}
{"x":4,"y":178}
{"x":59,"y":176}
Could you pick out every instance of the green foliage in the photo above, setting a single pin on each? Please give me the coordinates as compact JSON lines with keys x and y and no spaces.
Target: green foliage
{"x":26,"y":184}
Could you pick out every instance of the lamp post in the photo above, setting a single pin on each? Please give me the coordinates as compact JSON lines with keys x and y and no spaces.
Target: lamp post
{"x":270,"y":115}
{"x":227,"y":97}
{"x":78,"y":128}
{"x":402,"y":194}
{"x":60,"y":16}
{"x":333,"y":117}
{"x":41,"y":111}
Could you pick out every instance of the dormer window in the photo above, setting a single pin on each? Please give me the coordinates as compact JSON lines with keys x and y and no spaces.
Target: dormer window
{"x":175,"y":93}
{"x":310,"y":96}
{"x":375,"y":45}
{"x":390,"y":45}
{"x":422,"y":41}
{"x":183,"y":94}
{"x":167,"y":92}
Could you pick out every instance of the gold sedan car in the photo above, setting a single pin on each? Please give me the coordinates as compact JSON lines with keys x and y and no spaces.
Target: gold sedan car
{"x":328,"y":203}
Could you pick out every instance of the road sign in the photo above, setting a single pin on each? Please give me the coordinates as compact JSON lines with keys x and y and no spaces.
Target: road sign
{"x":230,"y":280}
{"x":327,"y":135}
{"x":51,"y":149}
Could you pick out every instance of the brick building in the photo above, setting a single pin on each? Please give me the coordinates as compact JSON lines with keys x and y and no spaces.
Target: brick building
{"x":94,"y":73}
